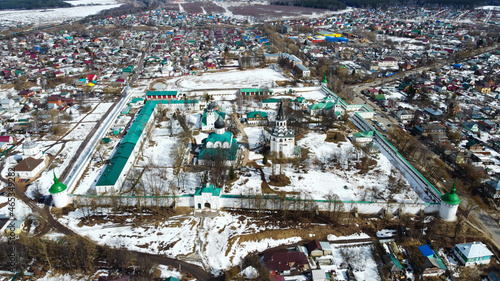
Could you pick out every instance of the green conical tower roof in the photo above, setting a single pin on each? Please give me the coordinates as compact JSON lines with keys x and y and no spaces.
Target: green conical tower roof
{"x":324,"y":80}
{"x":451,"y":197}
{"x":57,"y":187}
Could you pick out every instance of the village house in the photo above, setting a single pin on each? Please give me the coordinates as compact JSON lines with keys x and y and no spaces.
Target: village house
{"x":473,"y":253}
{"x":283,"y":263}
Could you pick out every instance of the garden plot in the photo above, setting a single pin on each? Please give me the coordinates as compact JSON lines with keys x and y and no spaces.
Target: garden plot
{"x":360,"y":258}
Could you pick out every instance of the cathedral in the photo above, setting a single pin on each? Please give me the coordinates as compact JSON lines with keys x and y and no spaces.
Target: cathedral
{"x":219,"y":144}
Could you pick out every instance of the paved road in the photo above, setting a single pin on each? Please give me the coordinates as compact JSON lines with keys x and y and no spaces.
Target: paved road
{"x":482,"y":218}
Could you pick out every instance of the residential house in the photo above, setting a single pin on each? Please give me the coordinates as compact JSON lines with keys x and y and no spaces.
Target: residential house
{"x":55,"y":101}
{"x":26,"y":93}
{"x":284,"y":262}
{"x":472,"y":253}
{"x":474,"y":146}
{"x":7,"y":104}
{"x":432,"y":129}
{"x":493,"y":276}
{"x":470,"y":126}
{"x":314,"y":249}
{"x":493,"y":189}
{"x":320,"y":275}
{"x":388,"y":62}
{"x":404,"y":115}
{"x":432,"y":264}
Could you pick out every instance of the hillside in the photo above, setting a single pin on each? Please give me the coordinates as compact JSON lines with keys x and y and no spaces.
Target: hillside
{"x":32,"y":4}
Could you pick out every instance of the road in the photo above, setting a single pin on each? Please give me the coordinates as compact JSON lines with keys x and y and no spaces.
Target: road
{"x":196,"y":271}
{"x":481,"y":217}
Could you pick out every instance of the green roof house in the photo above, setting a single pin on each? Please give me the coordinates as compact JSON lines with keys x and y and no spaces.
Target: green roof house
{"x":257,"y":118}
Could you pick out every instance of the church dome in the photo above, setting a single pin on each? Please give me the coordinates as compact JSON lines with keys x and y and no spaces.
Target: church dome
{"x":219,"y":124}
{"x":57,"y":187}
{"x":451,"y":197}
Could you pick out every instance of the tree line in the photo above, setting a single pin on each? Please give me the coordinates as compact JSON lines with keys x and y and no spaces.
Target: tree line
{"x":74,"y":254}
{"x":32,"y":4}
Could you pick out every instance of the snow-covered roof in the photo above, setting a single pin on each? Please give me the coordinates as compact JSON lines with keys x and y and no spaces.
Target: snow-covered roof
{"x":474,"y":250}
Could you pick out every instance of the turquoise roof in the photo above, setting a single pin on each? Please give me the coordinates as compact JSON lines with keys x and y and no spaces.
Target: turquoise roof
{"x":227,"y":153}
{"x":396,"y":261}
{"x":256,"y":114}
{"x":225,"y":137}
{"x":115,"y":166}
{"x":136,"y":99}
{"x":216,"y":191}
{"x":367,"y":134}
{"x":255,"y":90}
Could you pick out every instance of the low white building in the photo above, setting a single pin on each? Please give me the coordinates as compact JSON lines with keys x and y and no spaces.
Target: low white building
{"x":29,"y":168}
{"x":207,"y":197}
{"x":388,"y":62}
{"x":472,"y":253}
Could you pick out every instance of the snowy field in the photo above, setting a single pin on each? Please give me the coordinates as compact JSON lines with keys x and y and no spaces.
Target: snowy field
{"x":213,"y":239}
{"x":236,"y":79}
{"x":46,"y":16}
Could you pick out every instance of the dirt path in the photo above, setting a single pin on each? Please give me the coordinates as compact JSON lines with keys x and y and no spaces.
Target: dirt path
{"x":196,"y":271}
{"x":244,"y":137}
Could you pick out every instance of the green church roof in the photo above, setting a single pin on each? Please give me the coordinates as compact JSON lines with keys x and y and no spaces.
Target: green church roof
{"x":451,"y":197}
{"x":324,"y":80}
{"x":57,"y":187}
{"x":216,"y":191}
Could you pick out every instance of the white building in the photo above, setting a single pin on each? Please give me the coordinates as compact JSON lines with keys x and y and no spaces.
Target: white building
{"x":282,"y":138}
{"x":207,"y":197}
{"x":31,"y":149}
{"x":388,"y":62}
{"x":472,"y":253}
{"x":29,"y":168}
{"x":210,"y":116}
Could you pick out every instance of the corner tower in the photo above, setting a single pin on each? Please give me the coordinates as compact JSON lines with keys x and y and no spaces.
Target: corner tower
{"x":449,"y":205}
{"x":59,"y":190}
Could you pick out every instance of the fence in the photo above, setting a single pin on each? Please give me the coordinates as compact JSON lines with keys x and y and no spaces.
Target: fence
{"x":259,"y":202}
{"x":403,"y":164}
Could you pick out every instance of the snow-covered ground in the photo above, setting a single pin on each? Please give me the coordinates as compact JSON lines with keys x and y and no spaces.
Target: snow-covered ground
{"x":215,"y":239}
{"x":255,"y":78}
{"x":47,"y":16}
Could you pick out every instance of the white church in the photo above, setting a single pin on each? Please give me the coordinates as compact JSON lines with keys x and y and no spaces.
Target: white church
{"x":282,"y":138}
